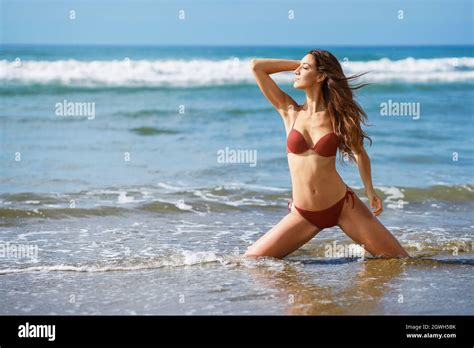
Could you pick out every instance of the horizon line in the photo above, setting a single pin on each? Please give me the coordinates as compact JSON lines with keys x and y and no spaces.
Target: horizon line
{"x":237,"y":45}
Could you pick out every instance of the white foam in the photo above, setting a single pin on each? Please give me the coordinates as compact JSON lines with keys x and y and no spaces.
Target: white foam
{"x":35,"y":233}
{"x":183,"y":206}
{"x":209,"y":196}
{"x":203,"y":72}
{"x":193,"y":258}
{"x":169,"y":187}
{"x":261,"y":187}
{"x":416,"y":70}
{"x":394,"y":197}
{"x":467,"y":187}
{"x":177,"y":259}
{"x":248,"y":201}
{"x":123,"y":198}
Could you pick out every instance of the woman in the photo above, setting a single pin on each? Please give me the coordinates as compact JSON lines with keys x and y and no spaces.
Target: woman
{"x":330,"y":119}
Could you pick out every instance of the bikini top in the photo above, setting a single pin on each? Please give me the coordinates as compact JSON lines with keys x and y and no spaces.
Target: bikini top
{"x":326,"y":145}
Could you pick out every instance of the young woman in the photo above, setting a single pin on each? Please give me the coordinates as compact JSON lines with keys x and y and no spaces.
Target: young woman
{"x":330,"y":119}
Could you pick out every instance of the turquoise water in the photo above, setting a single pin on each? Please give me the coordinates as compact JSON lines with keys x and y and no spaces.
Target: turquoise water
{"x":137,"y":187}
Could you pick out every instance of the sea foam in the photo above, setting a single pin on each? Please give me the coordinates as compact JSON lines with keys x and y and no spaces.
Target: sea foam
{"x":204,"y":72}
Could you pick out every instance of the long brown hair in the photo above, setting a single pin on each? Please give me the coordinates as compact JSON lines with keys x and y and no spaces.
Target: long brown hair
{"x":346,"y":115}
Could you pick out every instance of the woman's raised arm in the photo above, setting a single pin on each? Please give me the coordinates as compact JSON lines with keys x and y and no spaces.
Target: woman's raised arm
{"x":261,"y":69}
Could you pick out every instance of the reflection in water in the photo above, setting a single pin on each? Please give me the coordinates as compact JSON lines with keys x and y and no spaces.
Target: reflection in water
{"x":359,"y":295}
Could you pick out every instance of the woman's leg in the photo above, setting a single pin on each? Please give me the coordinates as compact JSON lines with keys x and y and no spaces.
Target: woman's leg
{"x":289,"y":234}
{"x":364,"y":228}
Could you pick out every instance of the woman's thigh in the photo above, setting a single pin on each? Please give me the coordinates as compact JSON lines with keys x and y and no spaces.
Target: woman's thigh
{"x":289,"y":234}
{"x":364,"y":228}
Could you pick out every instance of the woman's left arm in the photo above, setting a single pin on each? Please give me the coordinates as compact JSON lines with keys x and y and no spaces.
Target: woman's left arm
{"x":363,"y":162}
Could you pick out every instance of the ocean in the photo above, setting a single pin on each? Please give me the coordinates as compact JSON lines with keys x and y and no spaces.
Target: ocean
{"x":115,"y":197}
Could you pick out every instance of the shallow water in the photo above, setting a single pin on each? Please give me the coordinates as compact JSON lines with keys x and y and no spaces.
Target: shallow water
{"x":299,"y":285}
{"x":193,"y":265}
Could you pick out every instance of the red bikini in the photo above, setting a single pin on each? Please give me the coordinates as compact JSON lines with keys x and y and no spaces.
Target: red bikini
{"x":326,"y":146}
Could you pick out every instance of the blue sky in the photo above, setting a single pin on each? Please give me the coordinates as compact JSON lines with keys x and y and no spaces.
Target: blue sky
{"x":243,"y":22}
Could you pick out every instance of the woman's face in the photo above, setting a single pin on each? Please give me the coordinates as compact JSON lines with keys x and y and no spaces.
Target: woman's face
{"x":306,"y":74}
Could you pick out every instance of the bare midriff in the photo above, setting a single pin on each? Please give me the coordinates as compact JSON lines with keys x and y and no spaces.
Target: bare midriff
{"x":316,"y":184}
